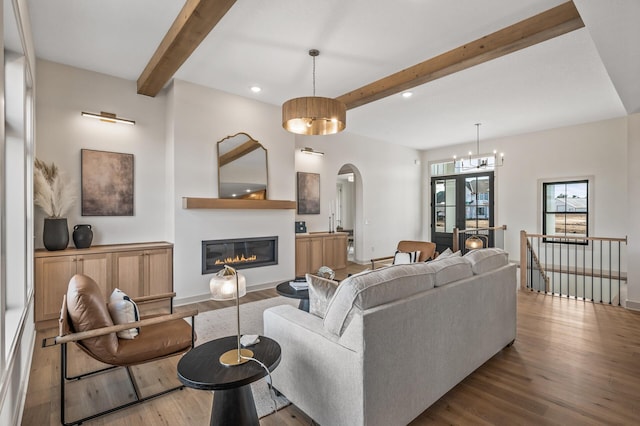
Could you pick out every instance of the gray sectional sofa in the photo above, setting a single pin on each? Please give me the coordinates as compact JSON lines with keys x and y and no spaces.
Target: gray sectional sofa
{"x":394,"y":340}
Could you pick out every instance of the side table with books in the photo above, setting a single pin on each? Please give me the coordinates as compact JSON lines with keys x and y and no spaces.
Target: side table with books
{"x":296,"y":289}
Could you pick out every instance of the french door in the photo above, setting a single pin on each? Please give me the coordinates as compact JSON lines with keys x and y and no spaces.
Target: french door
{"x":460,"y":201}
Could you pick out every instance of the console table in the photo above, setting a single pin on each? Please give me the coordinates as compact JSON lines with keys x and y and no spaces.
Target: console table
{"x":233,"y":403}
{"x":140,"y":269}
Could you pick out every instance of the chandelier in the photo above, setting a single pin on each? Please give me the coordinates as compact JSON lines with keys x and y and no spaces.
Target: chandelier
{"x":479,"y":161}
{"x":314,"y":115}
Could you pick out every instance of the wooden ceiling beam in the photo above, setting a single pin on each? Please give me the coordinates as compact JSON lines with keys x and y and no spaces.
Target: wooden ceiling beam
{"x":194,"y":22}
{"x":536,"y":29}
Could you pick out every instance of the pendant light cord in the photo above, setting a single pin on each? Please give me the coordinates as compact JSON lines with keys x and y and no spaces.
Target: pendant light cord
{"x":313,"y":53}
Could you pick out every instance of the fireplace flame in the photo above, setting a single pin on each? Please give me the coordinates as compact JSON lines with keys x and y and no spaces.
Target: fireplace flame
{"x":237,"y":259}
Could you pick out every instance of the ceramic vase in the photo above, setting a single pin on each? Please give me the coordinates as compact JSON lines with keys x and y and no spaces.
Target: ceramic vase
{"x":55,"y":235}
{"x":82,"y":236}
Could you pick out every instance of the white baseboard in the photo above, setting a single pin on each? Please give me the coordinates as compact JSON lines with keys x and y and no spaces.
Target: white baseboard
{"x":635,"y":306}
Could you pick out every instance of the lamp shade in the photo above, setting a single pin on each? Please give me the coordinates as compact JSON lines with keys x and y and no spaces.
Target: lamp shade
{"x":223,"y":285}
{"x":474,"y":242}
{"x":314,"y":115}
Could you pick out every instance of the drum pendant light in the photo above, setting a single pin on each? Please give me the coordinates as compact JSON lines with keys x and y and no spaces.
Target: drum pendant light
{"x":314,"y":115}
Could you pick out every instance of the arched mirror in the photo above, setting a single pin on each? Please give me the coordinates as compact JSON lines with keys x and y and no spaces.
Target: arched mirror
{"x":242,"y":168}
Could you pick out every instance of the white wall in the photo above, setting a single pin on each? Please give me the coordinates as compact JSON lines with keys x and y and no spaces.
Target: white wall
{"x":390,"y":206}
{"x":594,"y":149}
{"x":201,"y":118}
{"x":64,"y":92}
{"x":633,"y":219}
{"x":174,"y":140}
{"x":174,"y":146}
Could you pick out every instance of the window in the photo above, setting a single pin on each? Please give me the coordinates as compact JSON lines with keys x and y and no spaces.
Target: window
{"x":565,"y":211}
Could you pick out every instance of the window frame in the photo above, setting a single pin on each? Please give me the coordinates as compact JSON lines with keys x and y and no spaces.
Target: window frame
{"x":565,"y":238}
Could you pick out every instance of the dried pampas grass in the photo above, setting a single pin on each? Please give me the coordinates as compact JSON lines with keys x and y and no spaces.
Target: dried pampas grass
{"x":50,"y":190}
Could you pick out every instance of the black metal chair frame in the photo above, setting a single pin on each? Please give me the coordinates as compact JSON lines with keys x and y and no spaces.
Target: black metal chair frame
{"x":75,"y":337}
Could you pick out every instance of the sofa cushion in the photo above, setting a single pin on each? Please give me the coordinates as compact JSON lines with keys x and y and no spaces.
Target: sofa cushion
{"x":449,"y":269}
{"x":447,"y":254}
{"x":88,"y":311}
{"x":369,"y":289}
{"x":485,"y":260}
{"x":321,"y":290}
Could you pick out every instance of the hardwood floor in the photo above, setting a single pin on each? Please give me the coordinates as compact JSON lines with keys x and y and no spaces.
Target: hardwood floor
{"x":573,"y":363}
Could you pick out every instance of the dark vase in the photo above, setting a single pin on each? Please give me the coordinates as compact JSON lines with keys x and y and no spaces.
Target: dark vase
{"x":55,"y":235}
{"x":82,"y":236}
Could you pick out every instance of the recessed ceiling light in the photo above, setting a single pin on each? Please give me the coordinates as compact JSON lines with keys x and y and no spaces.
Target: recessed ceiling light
{"x":256,"y":89}
{"x":407,"y":94}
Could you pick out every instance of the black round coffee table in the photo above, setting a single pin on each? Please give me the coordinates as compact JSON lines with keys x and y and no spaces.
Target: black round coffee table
{"x":285,"y":289}
{"x":233,"y":400}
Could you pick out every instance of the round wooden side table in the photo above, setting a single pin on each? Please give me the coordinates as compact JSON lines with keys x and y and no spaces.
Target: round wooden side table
{"x":233,"y":402}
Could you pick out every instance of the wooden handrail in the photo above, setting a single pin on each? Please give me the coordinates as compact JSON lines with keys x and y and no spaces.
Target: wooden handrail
{"x":622,"y":240}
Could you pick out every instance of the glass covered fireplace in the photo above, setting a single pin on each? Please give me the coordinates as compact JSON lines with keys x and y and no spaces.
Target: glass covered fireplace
{"x":239,"y":253}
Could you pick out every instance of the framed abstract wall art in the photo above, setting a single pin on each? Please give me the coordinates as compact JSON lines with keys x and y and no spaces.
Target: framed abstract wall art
{"x":107,"y":183}
{"x":308,"y":193}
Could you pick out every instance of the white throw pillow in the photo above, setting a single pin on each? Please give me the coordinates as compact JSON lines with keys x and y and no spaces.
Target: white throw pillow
{"x":404,"y":258}
{"x":123,"y":310}
{"x":321,"y":290}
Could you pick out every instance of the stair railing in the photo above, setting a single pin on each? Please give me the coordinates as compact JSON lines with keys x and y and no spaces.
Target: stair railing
{"x":589,"y":268}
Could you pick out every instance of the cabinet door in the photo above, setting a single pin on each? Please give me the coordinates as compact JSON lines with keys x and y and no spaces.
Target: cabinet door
{"x":52,"y":275}
{"x":316,"y":255}
{"x":340,"y":252}
{"x":302,"y":256}
{"x":95,"y":266}
{"x":159,"y":271}
{"x":128,"y":272}
{"x":329,"y":252}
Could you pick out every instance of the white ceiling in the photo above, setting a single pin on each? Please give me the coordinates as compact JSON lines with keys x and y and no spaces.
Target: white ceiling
{"x":586,"y":75}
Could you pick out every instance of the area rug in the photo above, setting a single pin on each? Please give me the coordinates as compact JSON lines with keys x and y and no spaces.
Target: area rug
{"x":218,"y":323}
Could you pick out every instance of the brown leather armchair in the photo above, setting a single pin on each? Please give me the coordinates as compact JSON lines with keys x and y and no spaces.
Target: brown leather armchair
{"x":85,"y":320}
{"x":427,"y":251}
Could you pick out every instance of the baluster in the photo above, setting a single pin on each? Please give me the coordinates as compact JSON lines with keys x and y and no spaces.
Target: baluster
{"x":600,"y":271}
{"x":584,"y":270}
{"x":593,"y":249}
{"x":610,"y":271}
{"x":619,"y":273}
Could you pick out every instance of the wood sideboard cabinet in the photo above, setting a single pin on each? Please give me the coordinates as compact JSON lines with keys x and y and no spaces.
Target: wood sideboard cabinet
{"x":140,"y":269}
{"x":320,"y":249}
